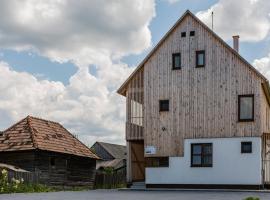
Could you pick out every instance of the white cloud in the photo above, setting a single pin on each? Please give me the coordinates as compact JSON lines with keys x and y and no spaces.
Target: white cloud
{"x":247,"y":18}
{"x":172,"y":1}
{"x":263,"y":65}
{"x":95,"y":33}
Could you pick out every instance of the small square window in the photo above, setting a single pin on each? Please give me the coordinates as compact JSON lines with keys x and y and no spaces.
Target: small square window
{"x":246,"y":108}
{"x":192,"y":33}
{"x":200,"y":58}
{"x":183,"y":34}
{"x":157,"y":162}
{"x":163,"y":105}
{"x":176,"y":57}
{"x":246,"y":147}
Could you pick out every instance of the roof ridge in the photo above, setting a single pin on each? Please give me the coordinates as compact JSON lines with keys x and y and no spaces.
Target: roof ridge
{"x":111,"y":144}
{"x":78,"y":140}
{"x":106,"y":149}
{"x":38,"y":118}
{"x":13,"y":125}
{"x":32,"y":131}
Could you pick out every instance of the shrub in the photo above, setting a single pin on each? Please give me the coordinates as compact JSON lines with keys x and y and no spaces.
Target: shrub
{"x":252,"y":198}
{"x":18,"y":185}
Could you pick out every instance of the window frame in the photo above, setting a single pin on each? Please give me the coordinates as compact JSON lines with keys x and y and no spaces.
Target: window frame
{"x":192,"y":33}
{"x":173,"y":61}
{"x":183,"y":34}
{"x":197,"y":58}
{"x":244,"y":143}
{"x":239,"y":107}
{"x":160,"y":102}
{"x":163,"y":162}
{"x":202,"y":155}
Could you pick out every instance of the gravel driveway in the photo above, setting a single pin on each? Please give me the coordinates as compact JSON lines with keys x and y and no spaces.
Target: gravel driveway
{"x":135,"y":195}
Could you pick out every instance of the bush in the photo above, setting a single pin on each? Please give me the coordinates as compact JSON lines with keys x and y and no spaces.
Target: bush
{"x":16,"y":185}
{"x":252,"y":198}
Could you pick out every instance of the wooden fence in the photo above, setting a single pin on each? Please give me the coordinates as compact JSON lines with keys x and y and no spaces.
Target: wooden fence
{"x":28,"y":177}
{"x":110,"y":181}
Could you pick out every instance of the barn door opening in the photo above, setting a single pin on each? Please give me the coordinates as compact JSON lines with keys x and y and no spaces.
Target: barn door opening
{"x":137,"y":161}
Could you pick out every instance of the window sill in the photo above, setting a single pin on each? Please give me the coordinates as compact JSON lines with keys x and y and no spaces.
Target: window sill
{"x":200,"y":166}
{"x":246,"y":120}
{"x":177,"y":68}
{"x":200,"y":66}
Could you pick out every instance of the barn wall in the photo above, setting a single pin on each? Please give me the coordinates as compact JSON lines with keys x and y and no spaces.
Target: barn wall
{"x":68,"y":170}
{"x":203,"y":101}
{"x":23,"y":159}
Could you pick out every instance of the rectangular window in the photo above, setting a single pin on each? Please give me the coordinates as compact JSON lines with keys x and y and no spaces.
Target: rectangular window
{"x":200,"y":58}
{"x":183,"y":34}
{"x":176,"y":57}
{"x":192,"y":33}
{"x":157,"y":162}
{"x":201,"y":155}
{"x":163,"y":105}
{"x":246,"y":147}
{"x":245,"y":108}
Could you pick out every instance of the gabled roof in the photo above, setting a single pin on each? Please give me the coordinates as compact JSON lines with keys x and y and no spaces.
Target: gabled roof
{"x":34,"y":133}
{"x":115,"y":150}
{"x":122,"y":89}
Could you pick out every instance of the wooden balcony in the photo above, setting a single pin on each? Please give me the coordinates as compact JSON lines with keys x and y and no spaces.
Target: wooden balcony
{"x":134,"y":132}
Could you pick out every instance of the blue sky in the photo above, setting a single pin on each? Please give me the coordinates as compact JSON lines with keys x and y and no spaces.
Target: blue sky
{"x":64,"y":60}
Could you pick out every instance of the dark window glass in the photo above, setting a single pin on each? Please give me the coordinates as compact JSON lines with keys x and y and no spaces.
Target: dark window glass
{"x":52,"y":162}
{"x":246,"y":147}
{"x":201,"y":155}
{"x":157,"y":162}
{"x":183,"y":34}
{"x":192,"y":33}
{"x":200,"y":58}
{"x":163,"y":105}
{"x":246,"y":107}
{"x":176,"y":60}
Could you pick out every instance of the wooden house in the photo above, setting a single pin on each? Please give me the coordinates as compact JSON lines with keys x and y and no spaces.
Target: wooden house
{"x":111,"y":156}
{"x":47,"y":148}
{"x":197,"y":113}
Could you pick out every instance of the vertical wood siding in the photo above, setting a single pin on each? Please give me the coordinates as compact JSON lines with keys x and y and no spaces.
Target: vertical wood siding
{"x":134,"y":131}
{"x":203,"y":101}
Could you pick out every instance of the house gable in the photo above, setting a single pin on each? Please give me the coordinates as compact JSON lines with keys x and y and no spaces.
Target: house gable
{"x":203,"y":101}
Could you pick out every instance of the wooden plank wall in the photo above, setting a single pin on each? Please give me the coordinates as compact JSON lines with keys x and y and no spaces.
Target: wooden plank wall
{"x":203,"y":101}
{"x":134,"y":93}
{"x":265,"y":113}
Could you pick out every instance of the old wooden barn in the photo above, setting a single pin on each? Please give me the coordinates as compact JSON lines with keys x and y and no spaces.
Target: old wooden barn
{"x":47,"y":148}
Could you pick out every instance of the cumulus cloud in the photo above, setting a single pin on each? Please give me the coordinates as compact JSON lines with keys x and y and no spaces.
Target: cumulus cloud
{"x":96,"y":34}
{"x":263,"y":65}
{"x":248,"y":18}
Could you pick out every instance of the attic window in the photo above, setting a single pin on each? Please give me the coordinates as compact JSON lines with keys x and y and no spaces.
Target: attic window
{"x":163,"y":105}
{"x":192,"y":33}
{"x":183,"y":34}
{"x":176,"y":60}
{"x":200,"y":58}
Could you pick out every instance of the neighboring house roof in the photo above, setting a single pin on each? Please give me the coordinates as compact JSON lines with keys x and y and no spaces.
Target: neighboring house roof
{"x":115,"y":163}
{"x":35,"y":133}
{"x":115,"y":150}
{"x":122,"y":89}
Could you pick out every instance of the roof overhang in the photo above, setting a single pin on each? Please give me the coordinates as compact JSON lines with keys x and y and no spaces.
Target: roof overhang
{"x":266,"y":89}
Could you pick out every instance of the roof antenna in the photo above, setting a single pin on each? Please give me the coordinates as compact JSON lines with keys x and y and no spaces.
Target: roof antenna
{"x":212,"y":21}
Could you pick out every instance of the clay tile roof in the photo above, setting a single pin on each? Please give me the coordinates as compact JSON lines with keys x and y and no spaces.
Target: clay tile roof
{"x":35,"y":133}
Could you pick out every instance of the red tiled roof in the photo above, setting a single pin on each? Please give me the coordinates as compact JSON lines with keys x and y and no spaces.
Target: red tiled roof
{"x":34,"y":133}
